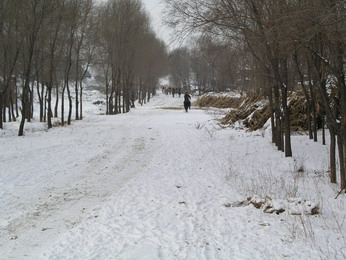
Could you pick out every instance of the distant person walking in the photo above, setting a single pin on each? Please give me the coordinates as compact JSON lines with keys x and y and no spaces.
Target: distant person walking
{"x":187,"y":101}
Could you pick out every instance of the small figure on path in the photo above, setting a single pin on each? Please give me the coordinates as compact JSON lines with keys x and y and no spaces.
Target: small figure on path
{"x":187,"y":101}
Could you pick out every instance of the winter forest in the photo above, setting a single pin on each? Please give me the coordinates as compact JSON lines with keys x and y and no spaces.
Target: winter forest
{"x":99,"y":159}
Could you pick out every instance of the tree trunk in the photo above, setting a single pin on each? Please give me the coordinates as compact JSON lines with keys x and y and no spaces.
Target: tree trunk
{"x":56,"y":100}
{"x":81,"y":101}
{"x":17,"y":107}
{"x":342,"y":87}
{"x":341,"y":161}
{"x":32,"y":102}
{"x":25,"y":108}
{"x":21,"y":126}
{"x":76,"y":88}
{"x":43,"y":96}
{"x":133,"y":99}
{"x":1,"y":108}
{"x":342,"y":172}
{"x":4,"y":119}
{"x":63,"y":105}
{"x":9,"y":113}
{"x":313,"y":108}
{"x":12,"y":108}
{"x":272,"y":114}
{"x":40,"y":98}
{"x":107,"y":98}
{"x":332,"y":160}
{"x":323,"y":130}
{"x":288,"y":148}
{"x":49,"y":102}
{"x":26,"y":88}
{"x":313,"y":134}
{"x":69,"y":105}
{"x":278,"y":125}
{"x":110,"y":104}
{"x":45,"y":106}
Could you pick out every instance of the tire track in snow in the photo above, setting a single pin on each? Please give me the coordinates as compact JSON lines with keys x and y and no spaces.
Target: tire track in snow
{"x":172,"y":207}
{"x":69,"y":198}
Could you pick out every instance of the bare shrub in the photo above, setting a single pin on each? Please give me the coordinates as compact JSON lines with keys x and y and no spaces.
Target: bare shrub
{"x":200,"y":125}
{"x":211,"y":132}
{"x":300,"y":226}
{"x":264,"y":183}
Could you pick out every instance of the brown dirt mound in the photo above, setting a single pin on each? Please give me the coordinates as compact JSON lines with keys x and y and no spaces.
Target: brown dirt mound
{"x":258,"y":119}
{"x":219,"y":102}
{"x":254,"y":110}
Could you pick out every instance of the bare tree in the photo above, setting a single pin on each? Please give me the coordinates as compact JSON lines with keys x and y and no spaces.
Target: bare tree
{"x":11,"y":44}
{"x":35,"y":13}
{"x":129,"y":43}
{"x":179,"y":61}
{"x":288,"y":40}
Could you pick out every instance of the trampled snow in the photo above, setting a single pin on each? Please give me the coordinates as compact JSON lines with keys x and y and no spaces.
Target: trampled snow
{"x":159,"y":183}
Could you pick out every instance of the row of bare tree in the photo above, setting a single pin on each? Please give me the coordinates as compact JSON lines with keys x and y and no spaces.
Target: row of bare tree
{"x":286,"y":44}
{"x":133,"y":58}
{"x":209,"y":64}
{"x":47,"y":47}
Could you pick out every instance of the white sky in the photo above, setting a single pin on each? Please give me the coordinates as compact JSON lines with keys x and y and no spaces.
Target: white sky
{"x":155,"y":8}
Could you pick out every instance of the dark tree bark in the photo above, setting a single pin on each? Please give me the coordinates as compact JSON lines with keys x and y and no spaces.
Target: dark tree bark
{"x":56,"y":100}
{"x":12,"y":107}
{"x":1,"y":108}
{"x":70,"y":103}
{"x":332,"y":155}
{"x":272,"y":114}
{"x":49,"y":103}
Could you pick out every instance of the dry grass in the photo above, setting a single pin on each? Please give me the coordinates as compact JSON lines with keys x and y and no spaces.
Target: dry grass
{"x":218,"y":102}
{"x":251,"y":112}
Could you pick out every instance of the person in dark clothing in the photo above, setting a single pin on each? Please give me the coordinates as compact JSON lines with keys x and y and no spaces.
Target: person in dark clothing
{"x":187,"y":101}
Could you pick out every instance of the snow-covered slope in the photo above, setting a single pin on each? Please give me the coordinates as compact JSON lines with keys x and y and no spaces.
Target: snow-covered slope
{"x":160,"y":184}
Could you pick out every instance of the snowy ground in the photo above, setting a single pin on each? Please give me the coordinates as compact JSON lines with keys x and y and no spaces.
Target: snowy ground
{"x":158,"y":183}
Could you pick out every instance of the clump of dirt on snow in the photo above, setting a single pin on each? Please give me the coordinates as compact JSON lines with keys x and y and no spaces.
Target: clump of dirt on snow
{"x":294,"y":206}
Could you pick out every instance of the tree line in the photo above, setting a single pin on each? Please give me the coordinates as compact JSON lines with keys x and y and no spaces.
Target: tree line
{"x":48,"y":46}
{"x":283,"y":46}
{"x":208,"y":64}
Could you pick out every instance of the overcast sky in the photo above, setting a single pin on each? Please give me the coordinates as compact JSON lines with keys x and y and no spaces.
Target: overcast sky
{"x":155,"y":8}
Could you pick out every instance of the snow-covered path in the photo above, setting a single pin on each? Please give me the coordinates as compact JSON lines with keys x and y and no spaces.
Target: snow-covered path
{"x":151,"y":184}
